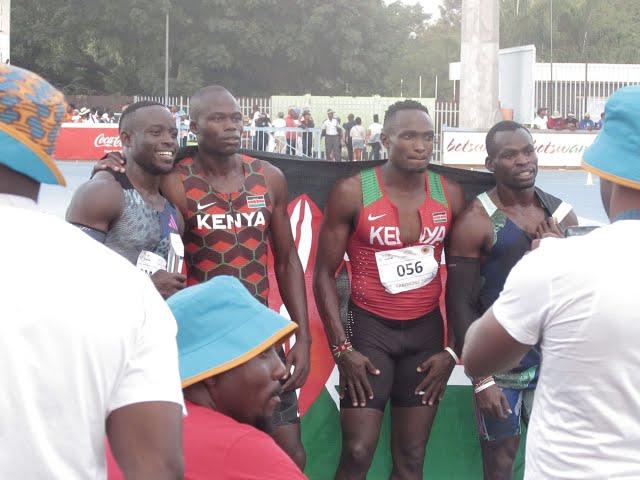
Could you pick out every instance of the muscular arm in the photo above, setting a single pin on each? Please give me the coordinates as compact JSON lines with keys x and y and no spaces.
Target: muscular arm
{"x":145,"y":440}
{"x":172,"y":189}
{"x":288,"y":268}
{"x":471,"y":237}
{"x":342,"y":209}
{"x":97,"y":203}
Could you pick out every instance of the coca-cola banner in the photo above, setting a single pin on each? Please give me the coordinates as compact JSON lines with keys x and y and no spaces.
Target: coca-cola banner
{"x":554,"y":149}
{"x":86,"y":141}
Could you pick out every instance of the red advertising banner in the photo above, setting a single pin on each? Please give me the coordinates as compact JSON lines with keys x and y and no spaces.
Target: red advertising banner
{"x":86,"y":141}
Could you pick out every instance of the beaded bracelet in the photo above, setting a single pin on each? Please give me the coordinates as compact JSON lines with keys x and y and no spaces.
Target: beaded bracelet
{"x":338,"y":350}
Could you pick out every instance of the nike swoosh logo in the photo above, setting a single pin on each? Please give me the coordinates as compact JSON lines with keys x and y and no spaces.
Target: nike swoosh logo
{"x":202,"y":207}
{"x":373,"y":218}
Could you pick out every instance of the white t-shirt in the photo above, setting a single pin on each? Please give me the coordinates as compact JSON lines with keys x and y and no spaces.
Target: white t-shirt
{"x":580,"y":297}
{"x":375,"y":129}
{"x":540,"y":122}
{"x":279,"y":123}
{"x":331,"y":126}
{"x":357,"y":132}
{"x":82,"y":333}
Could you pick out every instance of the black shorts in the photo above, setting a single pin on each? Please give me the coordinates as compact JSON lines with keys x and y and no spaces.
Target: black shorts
{"x":396,"y":348}
{"x":287,"y":411}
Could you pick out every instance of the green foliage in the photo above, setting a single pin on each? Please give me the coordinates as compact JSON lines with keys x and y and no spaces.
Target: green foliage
{"x":265,"y":47}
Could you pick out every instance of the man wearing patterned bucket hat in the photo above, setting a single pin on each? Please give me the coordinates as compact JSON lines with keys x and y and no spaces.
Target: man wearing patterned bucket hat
{"x":231,"y":378}
{"x":74,"y":367}
{"x":579,"y":298}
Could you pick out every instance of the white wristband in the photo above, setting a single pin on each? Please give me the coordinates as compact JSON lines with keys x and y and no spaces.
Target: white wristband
{"x":453,"y":354}
{"x":484,"y":386}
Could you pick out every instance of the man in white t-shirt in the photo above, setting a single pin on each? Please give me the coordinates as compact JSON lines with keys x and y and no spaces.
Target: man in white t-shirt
{"x":331,"y":132}
{"x":578,"y":298}
{"x":540,"y":122}
{"x":79,"y":359}
{"x":373,"y":138}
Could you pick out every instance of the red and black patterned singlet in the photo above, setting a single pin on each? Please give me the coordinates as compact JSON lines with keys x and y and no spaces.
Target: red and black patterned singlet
{"x":226,"y":233}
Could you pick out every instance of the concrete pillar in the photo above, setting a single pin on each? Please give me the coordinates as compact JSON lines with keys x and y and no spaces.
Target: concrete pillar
{"x":479,"y":64}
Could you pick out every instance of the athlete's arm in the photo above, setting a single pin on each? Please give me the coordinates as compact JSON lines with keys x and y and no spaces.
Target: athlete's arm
{"x":290,"y":277}
{"x":470,"y":240}
{"x":471,"y":237}
{"x":95,"y":205}
{"x":341,"y":213}
{"x":145,"y":440}
{"x":112,"y":161}
{"x":172,"y":189}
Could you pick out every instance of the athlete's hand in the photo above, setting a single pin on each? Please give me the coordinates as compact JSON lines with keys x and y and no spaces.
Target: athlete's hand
{"x":298,"y":357}
{"x":492,"y":403}
{"x":354,"y":369}
{"x":549,"y":228}
{"x":168,"y":283}
{"x":438,"y":369}
{"x":113,"y":161}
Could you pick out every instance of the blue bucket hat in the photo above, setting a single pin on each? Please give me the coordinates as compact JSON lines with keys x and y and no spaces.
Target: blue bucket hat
{"x":31,"y":112}
{"x":615,"y":153}
{"x":221,"y":326}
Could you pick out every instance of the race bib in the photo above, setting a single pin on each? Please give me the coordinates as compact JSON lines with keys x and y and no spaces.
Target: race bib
{"x":406,"y":268}
{"x":150,"y":262}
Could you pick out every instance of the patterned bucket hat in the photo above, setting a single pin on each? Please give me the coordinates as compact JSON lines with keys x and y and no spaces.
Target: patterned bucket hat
{"x":31,"y":111}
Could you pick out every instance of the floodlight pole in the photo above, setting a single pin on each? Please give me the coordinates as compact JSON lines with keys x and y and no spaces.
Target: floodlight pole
{"x":166,"y":61}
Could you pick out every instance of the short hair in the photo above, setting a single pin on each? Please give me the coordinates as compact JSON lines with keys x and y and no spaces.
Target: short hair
{"x":403,"y":105}
{"x":195,"y":105}
{"x":358,"y":121}
{"x":504,"y":126}
{"x":376,"y":118}
{"x":350,"y":116}
{"x":134,"y":107}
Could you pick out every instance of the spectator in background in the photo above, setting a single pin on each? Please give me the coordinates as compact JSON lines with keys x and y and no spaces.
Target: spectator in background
{"x":556,"y":122}
{"x":261,"y":138}
{"x":571,"y":122}
{"x":540,"y":122}
{"x":279,"y":136}
{"x":306,"y":122}
{"x":230,"y":383}
{"x":600,"y":123}
{"x":346,"y":127}
{"x":291,"y":121}
{"x":586,"y":123}
{"x":331,"y":133}
{"x":84,"y":115}
{"x":357,"y":138}
{"x":69,"y":112}
{"x":373,"y":137}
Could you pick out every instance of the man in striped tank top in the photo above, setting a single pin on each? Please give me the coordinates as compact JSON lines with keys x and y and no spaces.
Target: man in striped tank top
{"x":392,"y":221}
{"x":489,"y":238}
{"x":125,"y":209}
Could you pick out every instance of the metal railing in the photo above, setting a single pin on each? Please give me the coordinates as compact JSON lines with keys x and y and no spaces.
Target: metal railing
{"x":446,"y":115}
{"x":301,"y":142}
{"x":247,"y":104}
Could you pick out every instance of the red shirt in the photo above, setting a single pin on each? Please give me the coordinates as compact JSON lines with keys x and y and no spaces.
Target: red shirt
{"x":291,"y":123}
{"x":216,"y":446}
{"x":378,"y":230}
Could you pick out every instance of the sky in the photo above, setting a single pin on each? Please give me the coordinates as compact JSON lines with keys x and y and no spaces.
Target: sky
{"x":429,"y":6}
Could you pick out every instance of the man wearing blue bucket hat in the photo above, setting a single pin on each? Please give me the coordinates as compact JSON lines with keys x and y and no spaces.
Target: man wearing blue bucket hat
{"x":74,"y":366}
{"x":579,"y":298}
{"x":231,"y":375}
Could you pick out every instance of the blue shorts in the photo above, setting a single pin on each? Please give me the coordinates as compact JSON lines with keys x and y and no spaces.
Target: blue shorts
{"x":494,"y":429}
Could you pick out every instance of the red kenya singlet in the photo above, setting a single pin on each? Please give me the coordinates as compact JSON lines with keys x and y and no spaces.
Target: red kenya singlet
{"x":388,"y":278}
{"x":226,"y":233}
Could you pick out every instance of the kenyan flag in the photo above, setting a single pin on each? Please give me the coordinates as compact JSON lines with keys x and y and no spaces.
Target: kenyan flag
{"x":453,"y":451}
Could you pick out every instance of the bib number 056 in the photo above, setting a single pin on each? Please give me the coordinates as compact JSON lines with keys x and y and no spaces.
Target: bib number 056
{"x":409,"y":268}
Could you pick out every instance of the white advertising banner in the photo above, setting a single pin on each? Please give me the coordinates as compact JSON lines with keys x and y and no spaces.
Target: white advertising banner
{"x":554,"y":149}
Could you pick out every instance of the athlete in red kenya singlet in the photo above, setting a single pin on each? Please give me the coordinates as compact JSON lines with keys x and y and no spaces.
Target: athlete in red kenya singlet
{"x":378,"y":230}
